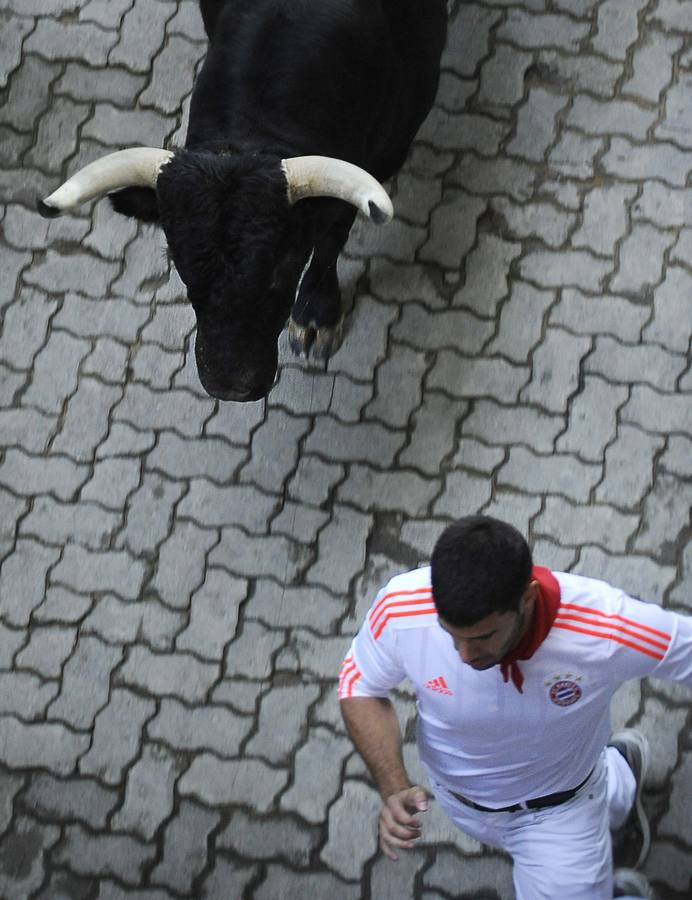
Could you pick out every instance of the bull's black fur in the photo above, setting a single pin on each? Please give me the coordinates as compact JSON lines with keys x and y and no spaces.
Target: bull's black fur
{"x":351,"y":79}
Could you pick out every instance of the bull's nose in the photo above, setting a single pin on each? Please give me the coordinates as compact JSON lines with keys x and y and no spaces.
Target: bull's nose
{"x":235,"y":393}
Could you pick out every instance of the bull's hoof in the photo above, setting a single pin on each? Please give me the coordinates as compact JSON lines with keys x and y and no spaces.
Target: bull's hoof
{"x":309,"y":341}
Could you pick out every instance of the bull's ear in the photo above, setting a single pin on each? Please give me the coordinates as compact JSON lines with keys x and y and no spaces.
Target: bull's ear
{"x":138,"y":203}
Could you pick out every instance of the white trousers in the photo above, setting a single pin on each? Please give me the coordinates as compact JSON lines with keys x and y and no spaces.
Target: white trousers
{"x":562,"y":851}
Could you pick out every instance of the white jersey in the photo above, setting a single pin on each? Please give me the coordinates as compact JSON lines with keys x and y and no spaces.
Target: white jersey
{"x":481,"y":737}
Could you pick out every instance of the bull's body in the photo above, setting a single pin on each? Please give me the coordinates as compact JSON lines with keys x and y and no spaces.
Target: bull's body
{"x":351,"y":79}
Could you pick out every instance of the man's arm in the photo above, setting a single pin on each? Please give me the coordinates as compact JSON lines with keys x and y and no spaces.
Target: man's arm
{"x":374,"y":729}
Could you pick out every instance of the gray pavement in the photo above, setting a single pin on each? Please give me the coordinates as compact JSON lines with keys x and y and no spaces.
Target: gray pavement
{"x":180,"y":577}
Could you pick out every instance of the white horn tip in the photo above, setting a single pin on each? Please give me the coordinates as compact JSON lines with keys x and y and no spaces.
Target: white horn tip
{"x":47,"y":210}
{"x":380,"y":212}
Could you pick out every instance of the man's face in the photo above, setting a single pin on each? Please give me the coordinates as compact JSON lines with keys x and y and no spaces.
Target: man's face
{"x":484,"y":644}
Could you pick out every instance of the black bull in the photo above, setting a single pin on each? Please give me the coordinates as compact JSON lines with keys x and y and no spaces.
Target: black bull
{"x":349,"y":80}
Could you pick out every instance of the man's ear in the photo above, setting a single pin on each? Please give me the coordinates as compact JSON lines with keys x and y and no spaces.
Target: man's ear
{"x":138,"y":203}
{"x":529,"y":597}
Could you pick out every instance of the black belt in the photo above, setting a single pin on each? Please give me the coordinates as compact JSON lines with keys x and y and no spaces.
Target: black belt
{"x":536,"y":803}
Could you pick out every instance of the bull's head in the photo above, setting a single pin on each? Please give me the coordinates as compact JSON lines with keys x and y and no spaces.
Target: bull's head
{"x":233,"y":238}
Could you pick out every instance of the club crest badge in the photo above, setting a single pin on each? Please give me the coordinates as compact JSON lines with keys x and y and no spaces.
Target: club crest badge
{"x":564,"y":690}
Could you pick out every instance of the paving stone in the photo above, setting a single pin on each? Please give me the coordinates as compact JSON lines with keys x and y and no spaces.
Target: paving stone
{"x":13,"y":262}
{"x":611,"y":117}
{"x":185,"y":847}
{"x":434,"y":430}
{"x":47,"y":650}
{"x":176,"y":674}
{"x":236,"y":421}
{"x":60,"y":523}
{"x":209,"y":505}
{"x":55,"y":372}
{"x":301,"y":391}
{"x":463,"y":131}
{"x":40,"y":745}
{"x":629,"y":467}
{"x":25,"y":694}
{"x":214,"y":615}
{"x":61,"y":605}
{"x":350,"y":845}
{"x":105,"y":854}
{"x":673,"y":14}
{"x":657,"y":412}
{"x":149,"y":514}
{"x":682,"y":251}
{"x":22,"y":854}
{"x":59,"y":40}
{"x":663,"y":206}
{"x":678,"y":456}
{"x":107,"y":361}
{"x":638,"y":575}
{"x":605,"y":218}
{"x":617,"y":27}
{"x":399,"y":240}
{"x":282,"y":722}
{"x":315,"y":785}
{"x":170,"y":325}
{"x":366,"y":339}
{"x":538,"y":31}
{"x":213,"y":728}
{"x":314,"y":480}
{"x":13,"y":31}
{"x":336,"y":564}
{"x":250,"y":653}
{"x":398,"y":882}
{"x":583,"y":72}
{"x":33,"y":475}
{"x":23,"y":580}
{"x":10,"y":785}
{"x":520,"y":325}
{"x":114,"y":316}
{"x":112,"y":482}
{"x":574,"y":155}
{"x":187,"y":21}
{"x":227,"y":879}
{"x":641,"y":259}
{"x":70,"y":799}
{"x":519,"y":509}
{"x":112,"y":84}
{"x":547,"y":553}
{"x":154,"y":366}
{"x":555,"y":474}
{"x":181,"y":563}
{"x":300,"y":522}
{"x":663,"y":516}
{"x":141,"y":34}
{"x":671,"y":324}
{"x":567,"y":268}
{"x":592,"y":524}
{"x":86,"y":571}
{"x":416,"y":197}
{"x":468,"y":38}
{"x":172,"y":75}
{"x":395,"y":283}
{"x":661,"y":726}
{"x":11,"y":509}
{"x":25,"y":328}
{"x":145,"y":409}
{"x":254,"y":838}
{"x":282,"y":607}
{"x":245,"y":555}
{"x":148,"y":792}
{"x":624,"y":364}
{"x":83,"y":273}
{"x":502,"y":77}
{"x":274,"y":450}
{"x":669,"y":864}
{"x":85,"y":683}
{"x":592,"y":418}
{"x":535,"y":129}
{"x":479,"y":872}
{"x":427,"y":330}
{"x":295,"y":885}
{"x":652,"y":66}
{"x":677,"y":124}
{"x":367,"y":442}
{"x":10,"y":641}
{"x":146,"y":262}
{"x":28,"y":90}
{"x":496,"y":424}
{"x":245,"y":781}
{"x":468,"y":378}
{"x":601,"y":314}
{"x":10,"y":384}
{"x":147,"y":620}
{"x":57,"y":134}
{"x":463,"y":494}
{"x":540,"y":220}
{"x":487,"y":275}
{"x":117,"y":736}
{"x":491,"y":176}
{"x":398,"y":386}
{"x":642,"y":162}
{"x":453,"y":228}
{"x":25,"y":228}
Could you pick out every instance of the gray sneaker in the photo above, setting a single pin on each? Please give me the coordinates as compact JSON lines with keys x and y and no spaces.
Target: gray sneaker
{"x":628,"y":883}
{"x":633,"y":840}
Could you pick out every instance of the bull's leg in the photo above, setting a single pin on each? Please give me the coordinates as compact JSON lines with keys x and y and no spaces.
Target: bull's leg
{"x":317,"y":317}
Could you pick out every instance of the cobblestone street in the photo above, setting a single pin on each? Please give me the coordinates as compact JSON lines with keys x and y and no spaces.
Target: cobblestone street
{"x":181,"y":577}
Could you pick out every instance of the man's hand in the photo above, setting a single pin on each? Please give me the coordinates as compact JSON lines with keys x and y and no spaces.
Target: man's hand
{"x":398,"y":824}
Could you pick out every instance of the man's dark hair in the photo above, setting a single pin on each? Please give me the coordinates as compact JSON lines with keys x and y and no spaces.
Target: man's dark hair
{"x":479,"y":566}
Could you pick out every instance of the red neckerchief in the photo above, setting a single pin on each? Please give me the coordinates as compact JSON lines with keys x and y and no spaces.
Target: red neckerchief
{"x":545,"y":610}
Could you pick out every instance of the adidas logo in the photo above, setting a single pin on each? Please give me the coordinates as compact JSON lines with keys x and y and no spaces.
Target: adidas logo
{"x":439,"y":685}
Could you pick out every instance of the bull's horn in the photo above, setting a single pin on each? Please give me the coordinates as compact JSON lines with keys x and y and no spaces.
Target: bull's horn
{"x":137,"y":166}
{"x":322,"y":176}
